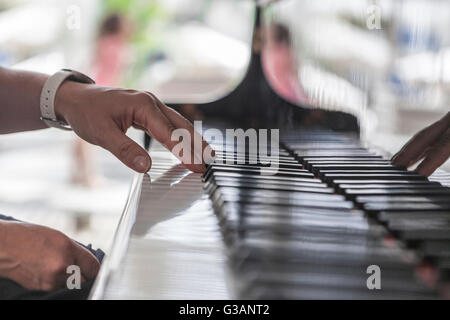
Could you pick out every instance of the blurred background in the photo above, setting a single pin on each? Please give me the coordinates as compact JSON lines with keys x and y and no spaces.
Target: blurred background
{"x":385,"y":61}
{"x":178,"y":49}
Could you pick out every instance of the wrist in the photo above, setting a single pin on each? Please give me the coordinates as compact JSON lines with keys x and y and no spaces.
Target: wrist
{"x":66,"y":98}
{"x":59,"y":96}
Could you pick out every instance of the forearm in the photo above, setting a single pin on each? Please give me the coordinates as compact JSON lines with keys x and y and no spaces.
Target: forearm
{"x":19,"y":100}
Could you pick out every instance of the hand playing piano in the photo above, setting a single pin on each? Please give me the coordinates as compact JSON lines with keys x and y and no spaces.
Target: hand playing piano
{"x":102,"y":115}
{"x":431,"y":144}
{"x":37,"y":257}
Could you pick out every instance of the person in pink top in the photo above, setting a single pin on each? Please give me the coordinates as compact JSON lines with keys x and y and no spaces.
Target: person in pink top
{"x":111,"y":52}
{"x":281,"y":66}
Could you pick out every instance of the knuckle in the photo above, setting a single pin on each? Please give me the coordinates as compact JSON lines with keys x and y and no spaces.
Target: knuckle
{"x":60,"y":238}
{"x":57,"y":267}
{"x":141,"y":110}
{"x":141,"y":98}
{"x":154,"y":101}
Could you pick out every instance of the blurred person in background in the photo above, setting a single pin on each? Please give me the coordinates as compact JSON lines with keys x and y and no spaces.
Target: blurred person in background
{"x":108,"y":66}
{"x":34,"y":259}
{"x":281,"y":65}
{"x":281,"y":68}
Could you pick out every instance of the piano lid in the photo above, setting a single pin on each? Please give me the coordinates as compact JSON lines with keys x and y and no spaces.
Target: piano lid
{"x":382,"y":66}
{"x":270,"y":94}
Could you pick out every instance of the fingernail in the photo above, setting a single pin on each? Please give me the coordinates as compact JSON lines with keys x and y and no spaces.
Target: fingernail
{"x":141,"y":164}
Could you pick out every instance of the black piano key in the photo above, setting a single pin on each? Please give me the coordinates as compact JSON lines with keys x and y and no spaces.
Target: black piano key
{"x":393,"y":191}
{"x":361,"y":185}
{"x":297,"y":168}
{"x":286,"y":291}
{"x":286,"y":202}
{"x":257,"y":209}
{"x":281,"y":182}
{"x":399,"y":198}
{"x":245,"y":259}
{"x":287,"y":158}
{"x":352,"y":190}
{"x":342,"y":158}
{"x":260,"y":171}
{"x":372,"y":167}
{"x":280,"y":194}
{"x":350,"y":279}
{"x":435,"y":248}
{"x":260,"y":161}
{"x":408,"y":214}
{"x":233,"y":152}
{"x":327,"y":151}
{"x":326,"y":253}
{"x":364,"y":172}
{"x":363,"y":162}
{"x":318,"y":165}
{"x":308,"y":214}
{"x":443,"y":264}
{"x":332,"y":150}
{"x":405,"y":206}
{"x":324,"y":145}
{"x":333,"y":155}
{"x":298,"y":224}
{"x":356,"y":182}
{"x":260,"y":177}
{"x":368,"y":177}
{"x":272,"y":187}
{"x":422,"y":229}
{"x":372,"y":237}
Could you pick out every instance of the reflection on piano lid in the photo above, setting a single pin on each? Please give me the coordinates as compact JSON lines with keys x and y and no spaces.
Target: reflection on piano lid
{"x":255,"y":104}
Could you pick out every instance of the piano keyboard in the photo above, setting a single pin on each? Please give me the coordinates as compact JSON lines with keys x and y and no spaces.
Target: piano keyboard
{"x":332,"y":209}
{"x":308,"y":231}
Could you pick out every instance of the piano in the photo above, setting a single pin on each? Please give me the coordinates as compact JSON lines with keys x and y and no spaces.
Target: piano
{"x":335,"y":210}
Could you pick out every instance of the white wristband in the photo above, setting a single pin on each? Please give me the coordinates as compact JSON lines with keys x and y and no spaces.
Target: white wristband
{"x":48,"y":94}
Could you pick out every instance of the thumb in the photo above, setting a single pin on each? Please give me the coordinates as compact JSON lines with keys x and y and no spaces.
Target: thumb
{"x":128,"y":151}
